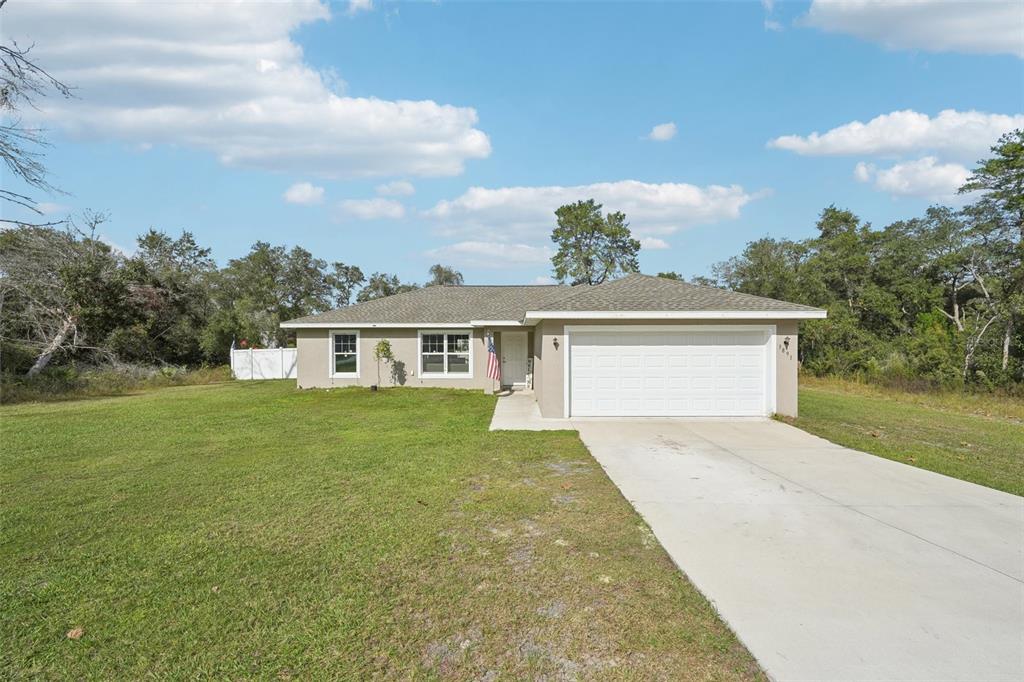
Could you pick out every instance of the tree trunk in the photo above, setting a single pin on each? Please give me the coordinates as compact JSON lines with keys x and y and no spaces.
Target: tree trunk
{"x":1007,"y":335}
{"x":55,"y":343}
{"x":972,"y":345}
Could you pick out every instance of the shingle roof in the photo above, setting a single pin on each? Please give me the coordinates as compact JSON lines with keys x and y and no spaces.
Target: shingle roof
{"x":461,"y":304}
{"x":448,"y":305}
{"x":644,"y":292}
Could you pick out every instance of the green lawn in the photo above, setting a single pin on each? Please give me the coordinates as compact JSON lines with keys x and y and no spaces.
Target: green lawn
{"x":249,"y":530}
{"x":976,"y":438}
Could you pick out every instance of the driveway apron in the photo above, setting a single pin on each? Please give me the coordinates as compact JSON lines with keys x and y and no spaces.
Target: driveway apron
{"x":828,"y":563}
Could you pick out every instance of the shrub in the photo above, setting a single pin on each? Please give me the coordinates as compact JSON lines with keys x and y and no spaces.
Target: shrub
{"x":71,"y":382}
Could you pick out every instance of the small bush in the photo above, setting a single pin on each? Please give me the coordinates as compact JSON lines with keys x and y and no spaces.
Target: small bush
{"x":70,"y":382}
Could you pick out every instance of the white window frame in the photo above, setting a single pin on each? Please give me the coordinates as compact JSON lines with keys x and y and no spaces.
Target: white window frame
{"x":446,"y":374}
{"x":331,"y":354}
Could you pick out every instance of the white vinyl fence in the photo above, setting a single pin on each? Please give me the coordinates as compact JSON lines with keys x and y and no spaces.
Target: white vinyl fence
{"x":264,"y":363}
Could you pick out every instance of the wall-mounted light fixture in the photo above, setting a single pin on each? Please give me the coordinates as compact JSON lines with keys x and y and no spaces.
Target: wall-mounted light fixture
{"x":555,"y":341}
{"x":785,"y":343}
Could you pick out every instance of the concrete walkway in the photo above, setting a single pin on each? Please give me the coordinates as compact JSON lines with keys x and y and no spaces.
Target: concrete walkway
{"x":829,"y":564}
{"x":518,"y":411}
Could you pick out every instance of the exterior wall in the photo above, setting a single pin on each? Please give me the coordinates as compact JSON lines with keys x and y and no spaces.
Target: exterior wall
{"x":547,"y":341}
{"x":786,"y":367}
{"x":547,"y":382}
{"x":315,"y":358}
{"x":537,"y":349}
{"x":550,"y":381}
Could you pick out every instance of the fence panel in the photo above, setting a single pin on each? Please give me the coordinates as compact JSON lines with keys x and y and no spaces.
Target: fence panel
{"x":264,"y":363}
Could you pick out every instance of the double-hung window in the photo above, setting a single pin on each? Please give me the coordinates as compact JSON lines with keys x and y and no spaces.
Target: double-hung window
{"x":446,"y":354}
{"x":345,"y":354}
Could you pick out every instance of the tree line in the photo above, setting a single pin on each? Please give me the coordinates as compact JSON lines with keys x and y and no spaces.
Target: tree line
{"x":67,"y":296}
{"x":939,"y":297}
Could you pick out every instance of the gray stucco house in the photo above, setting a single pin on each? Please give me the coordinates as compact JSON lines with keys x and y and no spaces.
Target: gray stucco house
{"x":635,"y":346}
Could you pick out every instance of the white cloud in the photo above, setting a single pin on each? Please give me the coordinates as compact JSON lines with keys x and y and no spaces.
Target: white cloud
{"x":663,"y":132}
{"x":973,"y":26}
{"x":357,"y":6}
{"x":653,"y":244}
{"x":542,"y":279}
{"x":398,"y":188}
{"x":925,"y":177}
{"x":486,"y":254}
{"x":228,"y":78}
{"x":527,"y":213}
{"x":372,"y":209}
{"x":48,"y":208}
{"x":863,"y":172}
{"x":962,"y":134}
{"x":304,"y":193}
{"x":769,"y":23}
{"x":127,"y":252}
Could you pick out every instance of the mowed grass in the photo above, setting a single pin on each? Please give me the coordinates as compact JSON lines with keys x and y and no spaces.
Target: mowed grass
{"x":250,"y":530}
{"x":976,"y":438}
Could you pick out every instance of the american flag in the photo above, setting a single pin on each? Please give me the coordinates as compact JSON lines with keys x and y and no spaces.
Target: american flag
{"x":493,"y":366}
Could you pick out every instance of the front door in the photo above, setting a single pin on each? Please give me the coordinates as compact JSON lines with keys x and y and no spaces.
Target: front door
{"x":513,"y":358}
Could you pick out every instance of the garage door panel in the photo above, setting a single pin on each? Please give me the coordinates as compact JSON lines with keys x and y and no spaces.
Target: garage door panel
{"x":751,"y":384}
{"x":654,"y":361}
{"x":584,"y":383}
{"x":630,"y":373}
{"x":701,"y":383}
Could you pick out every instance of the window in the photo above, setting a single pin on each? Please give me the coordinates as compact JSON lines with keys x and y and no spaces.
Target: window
{"x":447,"y":354}
{"x":345,"y":354}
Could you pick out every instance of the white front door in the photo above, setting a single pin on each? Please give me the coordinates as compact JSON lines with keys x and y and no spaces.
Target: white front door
{"x":513,"y":358}
{"x":641,"y":373}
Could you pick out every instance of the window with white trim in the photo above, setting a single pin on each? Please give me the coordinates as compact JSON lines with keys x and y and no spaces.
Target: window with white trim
{"x":345,"y":354}
{"x":447,"y":354}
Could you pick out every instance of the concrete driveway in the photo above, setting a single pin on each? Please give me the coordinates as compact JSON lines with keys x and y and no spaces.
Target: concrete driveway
{"x":829,"y":564}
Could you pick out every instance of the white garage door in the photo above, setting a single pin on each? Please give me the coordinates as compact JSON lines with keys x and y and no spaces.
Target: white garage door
{"x":670,"y":373}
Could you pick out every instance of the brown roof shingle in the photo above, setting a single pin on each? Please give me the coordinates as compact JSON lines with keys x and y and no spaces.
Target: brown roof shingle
{"x":461,"y":304}
{"x":646,"y":293}
{"x":446,"y":305}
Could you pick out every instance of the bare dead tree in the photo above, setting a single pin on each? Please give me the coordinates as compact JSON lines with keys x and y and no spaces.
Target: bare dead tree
{"x":40,"y":308}
{"x":22,"y":82}
{"x":984,"y":309}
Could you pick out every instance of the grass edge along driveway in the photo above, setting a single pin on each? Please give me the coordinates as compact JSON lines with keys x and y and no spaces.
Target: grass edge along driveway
{"x":976,"y":438}
{"x":253,"y":530}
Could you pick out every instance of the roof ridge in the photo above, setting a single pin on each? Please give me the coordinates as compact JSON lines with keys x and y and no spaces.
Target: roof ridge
{"x":503,"y":286}
{"x":719,"y":289}
{"x":743,"y":293}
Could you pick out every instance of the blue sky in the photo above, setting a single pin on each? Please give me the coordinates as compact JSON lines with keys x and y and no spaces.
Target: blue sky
{"x":395,"y":135}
